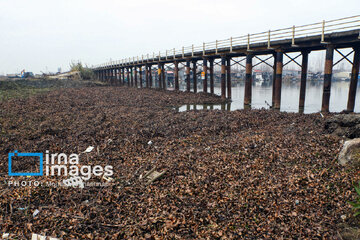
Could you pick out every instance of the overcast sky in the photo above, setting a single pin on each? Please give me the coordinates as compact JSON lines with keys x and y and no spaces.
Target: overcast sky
{"x":42,"y":35}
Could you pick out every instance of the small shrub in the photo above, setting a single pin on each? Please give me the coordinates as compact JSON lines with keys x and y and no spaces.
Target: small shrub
{"x":86,"y":73}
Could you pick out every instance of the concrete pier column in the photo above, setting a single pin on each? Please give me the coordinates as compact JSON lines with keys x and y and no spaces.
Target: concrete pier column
{"x":204,"y":78}
{"x":194,"y":76}
{"x":228,"y":77}
{"x":304,"y":69}
{"x":187,"y":75}
{"x":176,"y":75}
{"x":140,"y":77}
{"x":223,"y":77}
{"x":278,"y":80}
{"x":327,"y":78}
{"x":274,"y":81}
{"x":248,"y":80}
{"x":211,"y":71}
{"x":354,"y":80}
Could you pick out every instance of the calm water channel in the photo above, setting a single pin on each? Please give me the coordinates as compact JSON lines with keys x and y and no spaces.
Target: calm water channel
{"x":262,"y":92}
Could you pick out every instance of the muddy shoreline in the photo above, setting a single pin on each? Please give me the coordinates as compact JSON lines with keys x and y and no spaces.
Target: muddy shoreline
{"x":241,"y":174}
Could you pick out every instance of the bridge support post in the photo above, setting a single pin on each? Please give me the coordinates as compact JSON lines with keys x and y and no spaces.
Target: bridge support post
{"x":176,"y":75}
{"x":150,"y":77}
{"x":187,"y":72}
{"x":228,"y":77}
{"x":194,"y":76}
{"x":211,"y":70}
{"x":248,"y":81}
{"x":163,"y":76}
{"x":274,"y":81}
{"x":146,"y":75}
{"x":140,"y":77}
{"x":132,"y":76}
{"x":327,"y":78}
{"x":123,"y":74}
{"x":159,"y":76}
{"x":223,"y":77}
{"x":128,"y":76}
{"x":205,"y":69}
{"x":304,"y":69}
{"x":278,"y":80}
{"x":354,"y":80}
{"x":135,"y":77}
{"x":119,"y":73}
{"x":112,"y":76}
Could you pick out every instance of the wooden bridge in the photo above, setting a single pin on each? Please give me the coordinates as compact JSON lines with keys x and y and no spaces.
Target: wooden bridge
{"x":331,"y":36}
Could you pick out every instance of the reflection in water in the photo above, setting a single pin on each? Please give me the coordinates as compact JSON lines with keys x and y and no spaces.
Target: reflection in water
{"x":290,"y":93}
{"x":223,"y":106}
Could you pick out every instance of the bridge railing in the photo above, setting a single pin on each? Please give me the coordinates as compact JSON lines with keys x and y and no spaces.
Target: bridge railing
{"x":246,"y":41}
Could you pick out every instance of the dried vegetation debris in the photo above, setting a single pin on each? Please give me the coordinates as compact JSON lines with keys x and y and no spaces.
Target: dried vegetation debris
{"x":244,"y":174}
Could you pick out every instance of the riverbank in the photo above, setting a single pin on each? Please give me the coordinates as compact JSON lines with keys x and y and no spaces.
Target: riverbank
{"x":239,"y":174}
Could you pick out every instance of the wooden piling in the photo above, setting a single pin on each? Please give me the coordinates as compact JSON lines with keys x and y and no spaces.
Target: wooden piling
{"x":354,"y":80}
{"x":194,"y":75}
{"x":132,"y":76}
{"x":150,"y":77}
{"x":147,"y":76}
{"x":123,"y":76}
{"x":164,"y":85}
{"x":223,"y":77}
{"x":228,"y":77}
{"x":128,"y":76}
{"x":119,"y":70}
{"x":248,"y":80}
{"x":327,"y":78}
{"x":187,"y":76}
{"x":159,"y":76}
{"x":274,"y":81}
{"x":278,"y":80}
{"x":135,"y":73}
{"x":140,"y":77}
{"x":211,"y":70}
{"x":176,"y":75}
{"x":304,"y":69}
{"x":204,"y":78}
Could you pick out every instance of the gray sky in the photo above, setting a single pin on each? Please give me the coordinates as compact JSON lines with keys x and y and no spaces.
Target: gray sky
{"x":42,"y":35}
